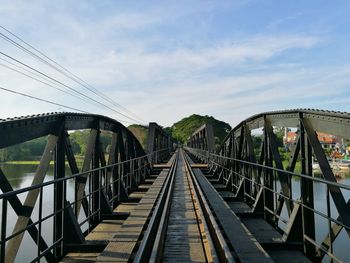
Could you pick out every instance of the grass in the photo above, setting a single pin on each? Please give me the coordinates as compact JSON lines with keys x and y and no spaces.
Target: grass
{"x":24,"y":162}
{"x":297,"y":166}
{"x":79,"y":160}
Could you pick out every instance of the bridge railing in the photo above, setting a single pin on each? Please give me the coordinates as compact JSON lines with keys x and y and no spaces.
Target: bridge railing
{"x":250,"y":183}
{"x":58,"y":214}
{"x":105,"y":188}
{"x":259,"y":167}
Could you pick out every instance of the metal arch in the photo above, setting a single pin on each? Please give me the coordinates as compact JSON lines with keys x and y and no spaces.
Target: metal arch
{"x":236,"y":158}
{"x":22,"y":129}
{"x":332,"y":122}
{"x":127,"y":150}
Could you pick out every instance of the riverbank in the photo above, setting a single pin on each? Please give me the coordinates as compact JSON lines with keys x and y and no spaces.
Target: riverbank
{"x":79,"y":160}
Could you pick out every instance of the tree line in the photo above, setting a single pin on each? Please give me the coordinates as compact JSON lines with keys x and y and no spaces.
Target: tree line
{"x":32,"y":150}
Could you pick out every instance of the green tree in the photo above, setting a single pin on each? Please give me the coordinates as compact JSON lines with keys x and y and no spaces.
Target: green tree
{"x":182,"y":129}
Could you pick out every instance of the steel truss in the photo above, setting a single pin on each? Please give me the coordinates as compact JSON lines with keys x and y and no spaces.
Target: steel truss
{"x":100,"y":185}
{"x":266,"y":185}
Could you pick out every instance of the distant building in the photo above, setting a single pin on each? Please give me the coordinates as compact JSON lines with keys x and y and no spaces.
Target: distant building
{"x":289,"y":139}
{"x":328,"y":141}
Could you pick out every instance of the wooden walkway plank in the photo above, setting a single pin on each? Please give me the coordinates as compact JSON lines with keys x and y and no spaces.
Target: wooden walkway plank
{"x":123,"y":235}
{"x":122,"y":245}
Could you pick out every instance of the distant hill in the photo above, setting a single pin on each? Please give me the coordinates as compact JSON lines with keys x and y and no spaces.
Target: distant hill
{"x":182,"y":129}
{"x":140,"y":132}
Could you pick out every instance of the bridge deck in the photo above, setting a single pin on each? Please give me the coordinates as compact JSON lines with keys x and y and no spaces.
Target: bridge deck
{"x":249,"y":238}
{"x":122,"y":235}
{"x":120,"y":248}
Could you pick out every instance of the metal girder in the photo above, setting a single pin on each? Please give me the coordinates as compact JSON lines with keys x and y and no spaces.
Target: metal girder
{"x":337,"y":123}
{"x":21,"y":210}
{"x":283,"y":178}
{"x":81,"y":182}
{"x":65,"y":222}
{"x":203,"y":138}
{"x":31,"y":198}
{"x":18,"y":130}
{"x":159,"y":143}
{"x":234,"y":155}
{"x":337,"y":195}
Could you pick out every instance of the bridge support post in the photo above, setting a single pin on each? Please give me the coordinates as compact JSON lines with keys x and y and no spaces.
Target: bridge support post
{"x":59,"y":193}
{"x":123,"y":184}
{"x":268,"y":177}
{"x":307,"y":195}
{"x":96,"y":179}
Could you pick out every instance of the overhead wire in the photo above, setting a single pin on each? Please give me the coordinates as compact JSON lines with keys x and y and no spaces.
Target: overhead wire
{"x":36,"y":79}
{"x":61,"y":69}
{"x":69,"y":87}
{"x":49,"y":102}
{"x":84,"y":95}
{"x":40,"y":99}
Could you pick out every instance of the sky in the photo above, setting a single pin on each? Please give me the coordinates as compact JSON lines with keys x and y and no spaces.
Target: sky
{"x":165,"y":60}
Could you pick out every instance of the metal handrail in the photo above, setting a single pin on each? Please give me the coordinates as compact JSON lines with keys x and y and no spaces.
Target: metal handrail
{"x":29,"y":188}
{"x":315,"y":179}
{"x":137,"y":165}
{"x":215,"y":160}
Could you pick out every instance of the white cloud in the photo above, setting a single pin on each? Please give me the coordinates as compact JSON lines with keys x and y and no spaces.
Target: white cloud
{"x":127,"y":57}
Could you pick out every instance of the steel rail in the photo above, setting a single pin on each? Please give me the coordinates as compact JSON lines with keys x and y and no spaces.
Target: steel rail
{"x":215,"y":235}
{"x":151,"y":244}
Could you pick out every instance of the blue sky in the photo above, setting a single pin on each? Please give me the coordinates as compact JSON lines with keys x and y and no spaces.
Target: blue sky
{"x":165,"y":60}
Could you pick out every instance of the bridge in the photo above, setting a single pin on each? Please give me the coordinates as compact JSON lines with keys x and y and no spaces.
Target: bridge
{"x":195,"y":203}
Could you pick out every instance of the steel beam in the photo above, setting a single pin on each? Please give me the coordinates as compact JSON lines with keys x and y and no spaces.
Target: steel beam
{"x":22,"y":221}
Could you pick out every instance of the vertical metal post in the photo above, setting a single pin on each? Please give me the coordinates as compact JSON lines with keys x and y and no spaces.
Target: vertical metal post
{"x":31,"y":198}
{"x":307,"y":197}
{"x":330,"y":232}
{"x":268,"y":178}
{"x":59,"y":195}
{"x":3,"y":229}
{"x":116,"y":174}
{"x":96,"y":178}
{"x":39,"y":219}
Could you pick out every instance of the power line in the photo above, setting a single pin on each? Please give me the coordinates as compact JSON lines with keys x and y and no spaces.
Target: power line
{"x":61,"y":69}
{"x":40,"y":99}
{"x":57,"y":87}
{"x":70,"y":88}
{"x":43,"y":82}
{"x":48,"y":101}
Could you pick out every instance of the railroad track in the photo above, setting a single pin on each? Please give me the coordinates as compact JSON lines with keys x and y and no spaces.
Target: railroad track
{"x":182,"y":227}
{"x":179,"y":218}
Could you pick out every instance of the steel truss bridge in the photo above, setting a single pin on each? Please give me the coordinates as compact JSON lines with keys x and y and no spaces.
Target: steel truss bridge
{"x":237,"y":203}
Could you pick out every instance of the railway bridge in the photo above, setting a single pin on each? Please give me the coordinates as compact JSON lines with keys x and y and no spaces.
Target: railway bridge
{"x":239,"y":202}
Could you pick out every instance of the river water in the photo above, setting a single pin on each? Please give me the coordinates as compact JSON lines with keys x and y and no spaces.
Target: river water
{"x":22,"y":175}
